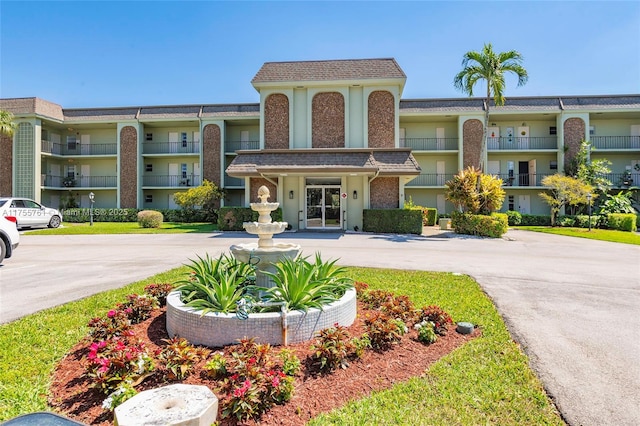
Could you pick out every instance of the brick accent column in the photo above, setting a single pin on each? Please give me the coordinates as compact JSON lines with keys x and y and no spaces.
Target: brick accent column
{"x":384,"y":193}
{"x":211,"y":152}
{"x":128,"y":167}
{"x":381,"y":113}
{"x":327,"y":120}
{"x":574,"y":134}
{"x":256,"y":183}
{"x":6,"y":166}
{"x":276,"y":122}
{"x":471,"y":143}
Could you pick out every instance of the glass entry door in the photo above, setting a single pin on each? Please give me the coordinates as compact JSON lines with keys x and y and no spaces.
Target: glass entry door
{"x":323,"y":208}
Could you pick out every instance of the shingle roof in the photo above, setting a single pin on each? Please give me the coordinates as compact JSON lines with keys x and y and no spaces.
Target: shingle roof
{"x":330,"y":70}
{"x":369,"y":161}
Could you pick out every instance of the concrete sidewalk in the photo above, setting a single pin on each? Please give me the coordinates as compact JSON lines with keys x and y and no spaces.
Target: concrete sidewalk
{"x":571,"y":303}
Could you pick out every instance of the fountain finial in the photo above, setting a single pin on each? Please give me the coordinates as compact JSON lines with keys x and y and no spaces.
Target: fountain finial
{"x":263,"y":194}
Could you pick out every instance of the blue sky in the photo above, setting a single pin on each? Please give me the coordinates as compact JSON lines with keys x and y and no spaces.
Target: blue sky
{"x":127,"y":53}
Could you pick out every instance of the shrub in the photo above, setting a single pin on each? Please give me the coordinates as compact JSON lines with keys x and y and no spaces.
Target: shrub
{"x":159,"y":291}
{"x":566,"y":221}
{"x":331,"y":348}
{"x":180,"y":357}
{"x":114,"y":324}
{"x":535,"y":220}
{"x":138,"y":308}
{"x":513,"y":217}
{"x":77,"y":215}
{"x":623,"y":221}
{"x":440,"y":319}
{"x":429,"y":216}
{"x":150,"y":219}
{"x":231,"y":218}
{"x":384,"y":330}
{"x":397,"y":221}
{"x":493,"y":226}
{"x":123,"y":392}
{"x":426,"y":332}
{"x":290,"y":362}
{"x":217,"y":365}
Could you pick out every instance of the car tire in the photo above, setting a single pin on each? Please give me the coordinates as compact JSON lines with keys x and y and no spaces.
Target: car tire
{"x":3,"y":250}
{"x":54,"y":222}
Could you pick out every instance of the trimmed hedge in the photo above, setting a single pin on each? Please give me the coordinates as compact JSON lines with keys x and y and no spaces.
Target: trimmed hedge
{"x":231,"y":218}
{"x":493,"y":226}
{"x":429,"y":216}
{"x":393,"y":221}
{"x":535,"y":220}
{"x":514,"y":217}
{"x":78,"y":215}
{"x":623,"y":221}
{"x":150,"y":219}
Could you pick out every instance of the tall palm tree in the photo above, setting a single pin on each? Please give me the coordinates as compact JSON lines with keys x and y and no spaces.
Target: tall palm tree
{"x":489,"y":66}
{"x":7,"y":126}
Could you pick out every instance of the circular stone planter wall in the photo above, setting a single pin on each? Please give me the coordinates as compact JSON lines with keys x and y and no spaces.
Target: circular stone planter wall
{"x":217,"y":329}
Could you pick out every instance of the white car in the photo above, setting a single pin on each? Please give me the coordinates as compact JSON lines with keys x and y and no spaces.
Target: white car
{"x":9,"y":236}
{"x":30,"y":214}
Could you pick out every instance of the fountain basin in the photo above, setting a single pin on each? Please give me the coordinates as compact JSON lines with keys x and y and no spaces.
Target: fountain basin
{"x":218,"y":329}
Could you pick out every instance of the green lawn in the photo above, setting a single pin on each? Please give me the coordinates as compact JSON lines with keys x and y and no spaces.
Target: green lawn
{"x":594,"y":234}
{"x":486,"y":381}
{"x":125,"y":228}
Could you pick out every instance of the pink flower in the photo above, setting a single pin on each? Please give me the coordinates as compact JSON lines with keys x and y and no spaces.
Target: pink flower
{"x":241,"y":391}
{"x":111,"y":313}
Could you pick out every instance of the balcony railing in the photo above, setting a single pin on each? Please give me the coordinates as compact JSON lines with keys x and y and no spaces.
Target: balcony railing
{"x":523,"y":179}
{"x":615,"y":142}
{"x":184,"y":147}
{"x":171,"y":181}
{"x":430,"y":144}
{"x":430,"y":179}
{"x":624,"y":180}
{"x":78,"y":148}
{"x":80,"y":181}
{"x":233,"y":181}
{"x":233,"y":146}
{"x":521,"y":143}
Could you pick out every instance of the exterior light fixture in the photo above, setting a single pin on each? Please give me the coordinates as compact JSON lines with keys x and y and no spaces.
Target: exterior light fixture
{"x":355,"y":195}
{"x":92,"y":198}
{"x":291,"y":195}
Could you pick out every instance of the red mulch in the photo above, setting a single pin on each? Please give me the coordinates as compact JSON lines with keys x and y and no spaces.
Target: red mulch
{"x":71,"y":394}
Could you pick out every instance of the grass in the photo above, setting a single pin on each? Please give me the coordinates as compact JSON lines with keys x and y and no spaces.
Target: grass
{"x":487,"y":381}
{"x":125,"y":228}
{"x":594,"y":234}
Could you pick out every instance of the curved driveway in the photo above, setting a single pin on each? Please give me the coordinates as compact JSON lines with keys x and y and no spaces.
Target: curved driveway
{"x":573,"y":304}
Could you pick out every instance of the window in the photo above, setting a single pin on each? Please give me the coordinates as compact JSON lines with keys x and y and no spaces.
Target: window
{"x":71,"y":142}
{"x":553,"y":165}
{"x":149,"y":136}
{"x":512,"y":204}
{"x":71,"y":171}
{"x":592,"y":130}
{"x":183,"y":168}
{"x":148,"y":167}
{"x":183,"y":137}
{"x":553,"y":130}
{"x":148,"y":198}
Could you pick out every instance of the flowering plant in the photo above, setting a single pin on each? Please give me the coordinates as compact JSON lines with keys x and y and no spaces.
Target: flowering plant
{"x":384,"y":330}
{"x":124,"y":391}
{"x":114,"y":324}
{"x":159,"y":291}
{"x":117,"y":360}
{"x":441,"y":320}
{"x":138,"y":308}
{"x":180,"y":357}
{"x":426,"y":332}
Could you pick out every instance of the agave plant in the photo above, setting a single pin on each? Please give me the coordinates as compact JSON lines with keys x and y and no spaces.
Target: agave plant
{"x":301,"y":284}
{"x":215,"y":285}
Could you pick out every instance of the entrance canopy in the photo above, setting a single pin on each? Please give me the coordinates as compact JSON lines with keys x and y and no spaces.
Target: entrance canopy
{"x":361,"y":162}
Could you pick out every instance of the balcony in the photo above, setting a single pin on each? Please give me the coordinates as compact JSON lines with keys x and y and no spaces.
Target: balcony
{"x":80,"y":181}
{"x":233,"y":146}
{"x":430,"y":144}
{"x":527,"y":143}
{"x":430,"y":179}
{"x":625,"y":179}
{"x":172,"y":181}
{"x":523,"y":179}
{"x":615,"y":142}
{"x":233,"y":182}
{"x":184,"y":147}
{"x":57,"y":148}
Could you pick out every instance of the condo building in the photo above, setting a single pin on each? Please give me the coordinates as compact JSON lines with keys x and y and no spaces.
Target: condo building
{"x":328,"y":138}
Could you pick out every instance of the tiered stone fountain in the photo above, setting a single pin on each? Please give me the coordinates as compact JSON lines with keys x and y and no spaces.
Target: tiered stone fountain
{"x":276,"y":328}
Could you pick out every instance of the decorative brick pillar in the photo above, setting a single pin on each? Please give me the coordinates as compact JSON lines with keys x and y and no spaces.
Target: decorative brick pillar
{"x":211,"y":154}
{"x":276,"y":122}
{"x":471,"y":143}
{"x":381,"y":117}
{"x":574,"y":133}
{"x":384,"y":193}
{"x":6,"y":166}
{"x":256,"y":183}
{"x":128,"y":168}
{"x":327,"y":120}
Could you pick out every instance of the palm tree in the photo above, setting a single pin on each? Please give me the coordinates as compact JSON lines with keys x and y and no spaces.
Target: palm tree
{"x":7,"y":126}
{"x":491,"y":67}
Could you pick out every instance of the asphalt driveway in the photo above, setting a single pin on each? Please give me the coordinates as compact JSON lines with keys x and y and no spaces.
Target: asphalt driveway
{"x":572,"y":304}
